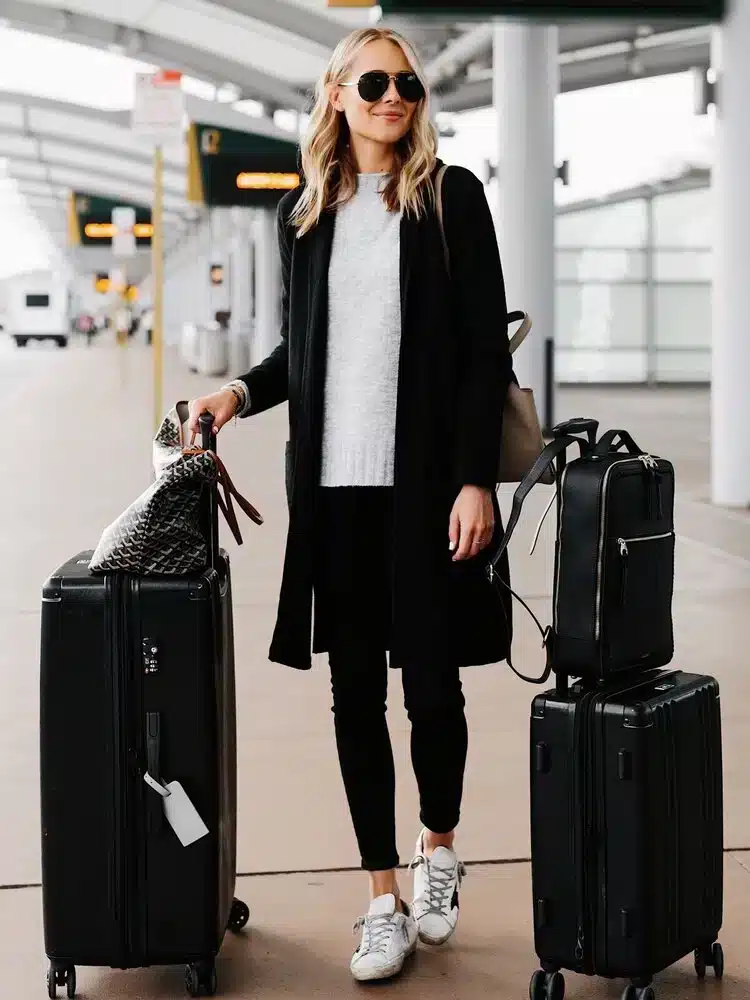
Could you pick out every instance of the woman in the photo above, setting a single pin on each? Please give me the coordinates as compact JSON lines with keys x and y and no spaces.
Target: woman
{"x":396,"y":377}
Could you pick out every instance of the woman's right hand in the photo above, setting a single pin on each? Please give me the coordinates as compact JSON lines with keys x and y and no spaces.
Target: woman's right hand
{"x":222,"y":405}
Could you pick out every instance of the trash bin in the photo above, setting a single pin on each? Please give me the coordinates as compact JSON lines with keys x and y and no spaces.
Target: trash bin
{"x":213,"y":350}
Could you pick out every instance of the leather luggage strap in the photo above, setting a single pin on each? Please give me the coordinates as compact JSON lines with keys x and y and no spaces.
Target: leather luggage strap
{"x":224,"y":480}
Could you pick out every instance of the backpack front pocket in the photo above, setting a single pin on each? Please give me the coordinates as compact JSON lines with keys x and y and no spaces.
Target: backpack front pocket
{"x":639,"y":600}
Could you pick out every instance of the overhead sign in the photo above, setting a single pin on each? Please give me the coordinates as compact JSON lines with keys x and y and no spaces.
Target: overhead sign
{"x":91,"y":222}
{"x":159,"y":105}
{"x":123,"y":237}
{"x":712,"y":10}
{"x":229,"y":167}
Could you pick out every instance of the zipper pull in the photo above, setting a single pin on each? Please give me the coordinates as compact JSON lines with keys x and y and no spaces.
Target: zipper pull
{"x":623,"y":569}
{"x":579,"y":945}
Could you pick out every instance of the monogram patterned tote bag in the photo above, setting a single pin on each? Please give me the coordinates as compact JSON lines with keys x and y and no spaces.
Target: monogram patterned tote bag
{"x":163,"y":531}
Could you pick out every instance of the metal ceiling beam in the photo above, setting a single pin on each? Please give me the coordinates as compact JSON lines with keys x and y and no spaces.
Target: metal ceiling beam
{"x":151,"y":48}
{"x":291,"y":17}
{"x":135,"y":156}
{"x":55,"y":161}
{"x":580,"y":74}
{"x":206,"y":112}
{"x":460,"y":52}
{"x":93,"y":183}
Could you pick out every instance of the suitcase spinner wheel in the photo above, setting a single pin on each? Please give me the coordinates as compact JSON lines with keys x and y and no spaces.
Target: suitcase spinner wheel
{"x":713,"y":956}
{"x":547,"y":986}
{"x":238,"y":916}
{"x":634,"y":993}
{"x":200,"y":979}
{"x":65,"y":976}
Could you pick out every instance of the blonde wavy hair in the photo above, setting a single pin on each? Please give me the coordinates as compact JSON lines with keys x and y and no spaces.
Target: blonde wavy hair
{"x":328,"y":164}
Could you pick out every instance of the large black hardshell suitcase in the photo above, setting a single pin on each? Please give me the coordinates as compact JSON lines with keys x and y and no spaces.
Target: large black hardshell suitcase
{"x":137,"y":675}
{"x":626,"y":829}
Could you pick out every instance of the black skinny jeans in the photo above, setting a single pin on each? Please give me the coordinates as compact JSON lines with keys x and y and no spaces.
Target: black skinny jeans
{"x":352,"y":610}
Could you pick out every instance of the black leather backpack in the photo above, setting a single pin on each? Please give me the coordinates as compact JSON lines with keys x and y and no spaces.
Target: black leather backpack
{"x":614,"y":554}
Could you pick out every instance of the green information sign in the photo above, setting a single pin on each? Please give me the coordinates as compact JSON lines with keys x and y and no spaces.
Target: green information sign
{"x":560,"y":10}
{"x":228,"y":167}
{"x":90,"y":220}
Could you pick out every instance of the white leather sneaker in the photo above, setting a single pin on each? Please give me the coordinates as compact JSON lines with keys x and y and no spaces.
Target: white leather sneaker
{"x":388,"y":938}
{"x":436,"y":883}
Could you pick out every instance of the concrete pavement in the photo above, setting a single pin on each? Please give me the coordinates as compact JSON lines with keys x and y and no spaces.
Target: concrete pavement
{"x":79,"y":452}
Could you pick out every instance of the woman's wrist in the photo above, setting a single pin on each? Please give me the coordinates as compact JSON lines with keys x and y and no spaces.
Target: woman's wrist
{"x":239,"y":390}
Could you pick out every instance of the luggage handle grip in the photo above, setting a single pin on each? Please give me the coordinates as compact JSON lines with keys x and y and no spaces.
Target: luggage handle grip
{"x":153,"y":759}
{"x":578,"y":425}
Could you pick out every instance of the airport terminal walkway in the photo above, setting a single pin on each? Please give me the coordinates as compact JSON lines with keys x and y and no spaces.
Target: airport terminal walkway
{"x":77,"y":433}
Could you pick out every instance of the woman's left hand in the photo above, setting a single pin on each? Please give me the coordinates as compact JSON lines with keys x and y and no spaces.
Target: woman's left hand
{"x":472,"y":522}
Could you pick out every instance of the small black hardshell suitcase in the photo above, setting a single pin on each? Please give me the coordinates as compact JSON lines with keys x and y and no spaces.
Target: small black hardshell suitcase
{"x":626,"y":830}
{"x":137,"y":677}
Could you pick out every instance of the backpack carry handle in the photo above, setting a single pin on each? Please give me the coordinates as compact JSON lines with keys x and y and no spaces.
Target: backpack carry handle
{"x":606,"y":443}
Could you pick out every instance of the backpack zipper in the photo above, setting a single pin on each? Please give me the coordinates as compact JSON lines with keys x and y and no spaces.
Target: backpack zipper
{"x":649,"y":462}
{"x":623,"y":546}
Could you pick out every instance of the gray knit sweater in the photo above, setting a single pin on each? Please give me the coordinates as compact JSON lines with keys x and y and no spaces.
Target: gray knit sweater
{"x":364,"y":334}
{"x":364,"y":338}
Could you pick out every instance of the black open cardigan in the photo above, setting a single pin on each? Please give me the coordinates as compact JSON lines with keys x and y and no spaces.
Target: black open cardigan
{"x":454,"y":372}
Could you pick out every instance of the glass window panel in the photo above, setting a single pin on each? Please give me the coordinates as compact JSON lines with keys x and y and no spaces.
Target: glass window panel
{"x":683,"y":265}
{"x":599,"y":366}
{"x":684,"y":219}
{"x":601,"y":316}
{"x":683,"y":316}
{"x":619,"y":225}
{"x":600,"y":265}
{"x":683,"y":366}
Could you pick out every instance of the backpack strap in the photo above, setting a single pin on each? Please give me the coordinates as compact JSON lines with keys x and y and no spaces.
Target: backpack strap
{"x":555,"y":450}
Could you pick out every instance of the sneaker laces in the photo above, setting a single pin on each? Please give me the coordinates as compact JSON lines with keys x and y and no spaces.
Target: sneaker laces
{"x":439,"y":884}
{"x":378,"y":930}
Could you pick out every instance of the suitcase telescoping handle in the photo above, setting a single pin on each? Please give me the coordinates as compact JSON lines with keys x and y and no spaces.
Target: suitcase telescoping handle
{"x":578,"y":425}
{"x":208,"y":443}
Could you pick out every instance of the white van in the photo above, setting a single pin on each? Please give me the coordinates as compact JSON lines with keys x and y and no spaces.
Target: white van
{"x":37,"y":308}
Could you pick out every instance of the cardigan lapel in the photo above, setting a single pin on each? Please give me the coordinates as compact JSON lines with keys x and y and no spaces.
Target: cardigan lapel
{"x":316,"y":341}
{"x":407,"y":244}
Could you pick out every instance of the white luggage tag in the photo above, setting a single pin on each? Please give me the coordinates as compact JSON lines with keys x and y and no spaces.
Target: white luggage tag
{"x":181,"y":814}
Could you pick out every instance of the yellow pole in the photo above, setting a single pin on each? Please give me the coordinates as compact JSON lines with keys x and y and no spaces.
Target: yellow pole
{"x":157,"y":270}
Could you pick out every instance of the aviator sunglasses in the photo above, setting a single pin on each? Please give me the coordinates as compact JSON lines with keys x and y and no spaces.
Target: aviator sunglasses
{"x":374,"y":85}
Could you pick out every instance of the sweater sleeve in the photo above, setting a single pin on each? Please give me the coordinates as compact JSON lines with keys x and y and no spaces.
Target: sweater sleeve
{"x":478,"y":292}
{"x":268,"y":382}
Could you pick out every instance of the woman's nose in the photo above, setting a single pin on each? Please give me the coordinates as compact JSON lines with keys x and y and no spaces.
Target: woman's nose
{"x":391,"y":95}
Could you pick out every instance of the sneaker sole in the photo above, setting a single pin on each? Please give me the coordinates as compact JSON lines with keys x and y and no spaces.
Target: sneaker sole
{"x":436,"y":942}
{"x":387,"y":972}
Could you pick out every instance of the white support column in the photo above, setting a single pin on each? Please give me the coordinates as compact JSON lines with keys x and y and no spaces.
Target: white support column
{"x":525,"y":83}
{"x":267,"y":285}
{"x":730,"y":396}
{"x":241,"y":278}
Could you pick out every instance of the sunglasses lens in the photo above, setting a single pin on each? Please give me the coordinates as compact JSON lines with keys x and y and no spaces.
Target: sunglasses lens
{"x":372,"y":86}
{"x":409,"y":87}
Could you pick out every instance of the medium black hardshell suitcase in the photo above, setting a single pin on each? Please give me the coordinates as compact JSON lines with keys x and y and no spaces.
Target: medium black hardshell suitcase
{"x":137,"y":676}
{"x":626,"y":830}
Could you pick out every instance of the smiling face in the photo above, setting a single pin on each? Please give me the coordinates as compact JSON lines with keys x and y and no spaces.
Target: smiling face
{"x":388,"y":119}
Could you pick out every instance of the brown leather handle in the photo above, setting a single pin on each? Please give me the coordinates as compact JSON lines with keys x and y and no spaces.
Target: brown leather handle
{"x":224,"y":480}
